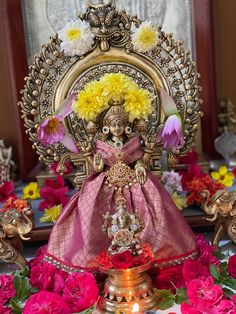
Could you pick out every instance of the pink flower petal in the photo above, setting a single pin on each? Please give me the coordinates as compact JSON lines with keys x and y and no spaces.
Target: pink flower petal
{"x":65,"y":107}
{"x":69,"y":143}
{"x":172,"y":133}
{"x":168,"y":104}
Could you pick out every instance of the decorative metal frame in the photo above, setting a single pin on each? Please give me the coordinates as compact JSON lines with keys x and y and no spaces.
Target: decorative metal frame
{"x":53,"y":76}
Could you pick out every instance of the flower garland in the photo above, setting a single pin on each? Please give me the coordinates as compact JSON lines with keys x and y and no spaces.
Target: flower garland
{"x":118,"y":87}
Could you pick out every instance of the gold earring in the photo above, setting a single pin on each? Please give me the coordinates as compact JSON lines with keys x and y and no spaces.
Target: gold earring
{"x":105,"y":130}
{"x":128,"y":130}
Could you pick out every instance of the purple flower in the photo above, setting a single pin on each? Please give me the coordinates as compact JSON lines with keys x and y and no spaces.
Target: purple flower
{"x":51,"y":130}
{"x":172,"y":133}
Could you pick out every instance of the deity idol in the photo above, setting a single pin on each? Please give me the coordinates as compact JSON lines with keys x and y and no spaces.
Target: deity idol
{"x":119,"y":154}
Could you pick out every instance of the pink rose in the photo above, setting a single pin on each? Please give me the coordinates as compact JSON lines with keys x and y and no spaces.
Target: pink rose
{"x":232,"y":266}
{"x":192,"y":268}
{"x":80,"y":291}
{"x":5,"y":309}
{"x":205,"y":252}
{"x":204,"y":293}
{"x":47,"y":277}
{"x":45,"y":303}
{"x":170,"y":278}
{"x":226,"y":307}
{"x":188,"y":309}
{"x":7,"y":290}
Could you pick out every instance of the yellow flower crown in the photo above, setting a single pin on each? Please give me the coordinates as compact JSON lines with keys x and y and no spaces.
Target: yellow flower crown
{"x":97,"y":96}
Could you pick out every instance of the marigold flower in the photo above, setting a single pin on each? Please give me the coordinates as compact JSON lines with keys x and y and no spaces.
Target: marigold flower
{"x":31,"y":191}
{"x":223,"y":176}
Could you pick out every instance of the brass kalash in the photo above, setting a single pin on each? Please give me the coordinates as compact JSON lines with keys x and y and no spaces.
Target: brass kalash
{"x":126,"y":287}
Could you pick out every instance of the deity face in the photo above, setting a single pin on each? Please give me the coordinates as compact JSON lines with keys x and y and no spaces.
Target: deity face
{"x":117,"y":127}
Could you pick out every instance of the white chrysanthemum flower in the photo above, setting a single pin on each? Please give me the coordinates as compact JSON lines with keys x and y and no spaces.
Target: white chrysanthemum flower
{"x":76,"y":37}
{"x":144,"y":38}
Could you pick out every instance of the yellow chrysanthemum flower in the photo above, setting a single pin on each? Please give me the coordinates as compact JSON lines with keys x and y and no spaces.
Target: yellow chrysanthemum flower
{"x":31,"y":191}
{"x":138,"y":104}
{"x":145,"y":38}
{"x":223,"y":176}
{"x":95,"y":98}
{"x":115,"y":85}
{"x":180,"y":202}
{"x":51,"y":214}
{"x":90,"y":102}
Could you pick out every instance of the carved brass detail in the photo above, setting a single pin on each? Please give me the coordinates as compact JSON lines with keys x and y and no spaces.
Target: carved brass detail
{"x":14,"y":224}
{"x":223,"y":208}
{"x":53,"y":76}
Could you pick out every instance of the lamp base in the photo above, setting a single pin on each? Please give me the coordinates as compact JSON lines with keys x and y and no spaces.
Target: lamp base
{"x":125,"y":287}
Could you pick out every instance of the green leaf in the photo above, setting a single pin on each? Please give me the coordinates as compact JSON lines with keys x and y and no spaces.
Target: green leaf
{"x":215,"y":272}
{"x":22,"y":287}
{"x":180,"y":296}
{"x":22,"y":272}
{"x":34,"y":290}
{"x":162,"y":293}
{"x":166,"y":304}
{"x":231,"y":282}
{"x":16,"y":307}
{"x":218,"y":254}
{"x":228,"y":292}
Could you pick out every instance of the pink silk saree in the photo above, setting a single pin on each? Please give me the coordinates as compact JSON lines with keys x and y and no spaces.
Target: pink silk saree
{"x":77,"y":236}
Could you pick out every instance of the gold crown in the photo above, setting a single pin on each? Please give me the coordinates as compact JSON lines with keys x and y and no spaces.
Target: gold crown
{"x":115,"y":112}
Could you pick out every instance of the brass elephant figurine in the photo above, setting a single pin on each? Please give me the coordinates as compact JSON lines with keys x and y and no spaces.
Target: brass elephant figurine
{"x":222,"y":206}
{"x":15,"y":223}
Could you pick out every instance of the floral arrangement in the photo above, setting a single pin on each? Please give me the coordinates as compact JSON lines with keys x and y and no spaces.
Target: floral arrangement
{"x":96,"y":96}
{"x":125,"y":259}
{"x":45,"y":289}
{"x":203,"y":285}
{"x":144,"y":38}
{"x":77,"y":38}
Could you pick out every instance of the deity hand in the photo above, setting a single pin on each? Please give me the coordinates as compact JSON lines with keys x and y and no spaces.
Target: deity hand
{"x":85,"y":146}
{"x":150,"y":142}
{"x":141,"y":174}
{"x":98,"y":163}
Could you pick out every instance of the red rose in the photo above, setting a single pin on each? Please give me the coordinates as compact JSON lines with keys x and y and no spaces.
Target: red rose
{"x":5,"y":309}
{"x":170,"y":278}
{"x":232,"y":266}
{"x":45,"y":303}
{"x":103,"y":259}
{"x":122,"y":260}
{"x":7,"y":290}
{"x":194,"y":269}
{"x":80,"y":291}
